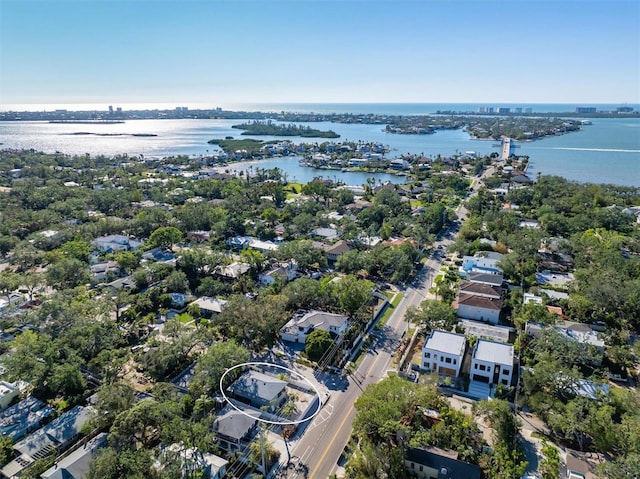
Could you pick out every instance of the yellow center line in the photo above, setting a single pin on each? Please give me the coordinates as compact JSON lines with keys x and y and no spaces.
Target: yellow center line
{"x":326,"y":451}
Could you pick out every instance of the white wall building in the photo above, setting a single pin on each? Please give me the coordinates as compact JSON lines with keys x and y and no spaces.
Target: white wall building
{"x":303,"y":323}
{"x":492,"y":362}
{"x":479,"y":308}
{"x":443,"y":352}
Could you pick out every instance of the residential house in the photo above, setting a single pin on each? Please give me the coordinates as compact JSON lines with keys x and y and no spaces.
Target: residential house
{"x":198,"y":236}
{"x":113,"y":243}
{"x":531,"y":298}
{"x":305,"y":322}
{"x":234,"y":430}
{"x":571,"y":331}
{"x":13,"y":299}
{"x":435,"y":463}
{"x":479,"y":289}
{"x":158,"y":255}
{"x":400,"y":164}
{"x":482,"y":262}
{"x":492,"y":362}
{"x":443,"y":352}
{"x":259,"y":390}
{"x":191,"y":460}
{"x":104,"y":270}
{"x":477,"y":329}
{"x":326,"y":233}
{"x":529,"y":223}
{"x":8,"y":392}
{"x":263,"y":245}
{"x":76,"y":464}
{"x":55,"y":437}
{"x":232,"y":271}
{"x":285,"y":271}
{"x":336,"y":250}
{"x":20,"y":419}
{"x":493,"y":279}
{"x":480,"y":308}
{"x":237,"y":242}
{"x":209,"y":306}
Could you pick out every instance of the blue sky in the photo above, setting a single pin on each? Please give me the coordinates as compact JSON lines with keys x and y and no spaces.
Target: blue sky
{"x":226,"y":52}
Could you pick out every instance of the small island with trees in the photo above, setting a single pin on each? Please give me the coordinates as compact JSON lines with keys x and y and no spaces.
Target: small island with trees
{"x":258,"y":127}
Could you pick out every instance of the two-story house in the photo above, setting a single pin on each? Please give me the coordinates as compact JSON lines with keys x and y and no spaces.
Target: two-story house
{"x":443,"y":352}
{"x":234,"y":429}
{"x":492,"y":362}
{"x":259,"y":390}
{"x":304,"y":323}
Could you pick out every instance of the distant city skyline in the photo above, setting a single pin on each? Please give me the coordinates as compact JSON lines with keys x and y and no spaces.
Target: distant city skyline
{"x":225,"y":53}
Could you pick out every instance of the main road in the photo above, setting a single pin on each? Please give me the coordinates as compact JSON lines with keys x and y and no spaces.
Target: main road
{"x":316,"y":454}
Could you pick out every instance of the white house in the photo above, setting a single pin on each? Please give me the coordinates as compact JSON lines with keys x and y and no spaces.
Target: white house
{"x":305,"y":322}
{"x":444,"y":352}
{"x":336,"y":250}
{"x":113,"y":243}
{"x":209,"y":306}
{"x":482,"y":262}
{"x":480,"y":308}
{"x":190,"y":459}
{"x":8,"y":392}
{"x":287,"y":271}
{"x":492,"y":362}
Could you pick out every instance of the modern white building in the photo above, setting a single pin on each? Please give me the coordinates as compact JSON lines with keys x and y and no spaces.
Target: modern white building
{"x":492,"y":362}
{"x":443,"y":352}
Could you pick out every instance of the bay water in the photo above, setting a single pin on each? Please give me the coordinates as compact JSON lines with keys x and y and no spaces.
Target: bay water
{"x":607,"y":151}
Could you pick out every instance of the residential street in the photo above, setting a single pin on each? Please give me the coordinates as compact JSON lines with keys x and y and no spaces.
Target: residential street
{"x":316,"y":455}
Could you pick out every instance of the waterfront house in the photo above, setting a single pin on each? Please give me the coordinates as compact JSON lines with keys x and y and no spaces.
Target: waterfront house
{"x":443,"y":352}
{"x":304,"y":323}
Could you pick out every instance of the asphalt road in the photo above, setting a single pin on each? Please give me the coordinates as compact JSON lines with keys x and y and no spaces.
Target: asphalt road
{"x":318,"y":451}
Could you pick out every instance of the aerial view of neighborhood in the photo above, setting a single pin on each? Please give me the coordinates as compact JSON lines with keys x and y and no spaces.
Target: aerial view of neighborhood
{"x":375,"y":282}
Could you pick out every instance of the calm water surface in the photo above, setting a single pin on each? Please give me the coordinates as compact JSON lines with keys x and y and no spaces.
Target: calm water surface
{"x":608,"y":151}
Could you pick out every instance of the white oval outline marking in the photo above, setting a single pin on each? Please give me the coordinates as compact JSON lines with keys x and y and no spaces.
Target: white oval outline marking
{"x":277,"y":423}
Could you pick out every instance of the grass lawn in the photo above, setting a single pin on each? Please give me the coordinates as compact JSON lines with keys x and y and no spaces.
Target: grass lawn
{"x":387,"y":313}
